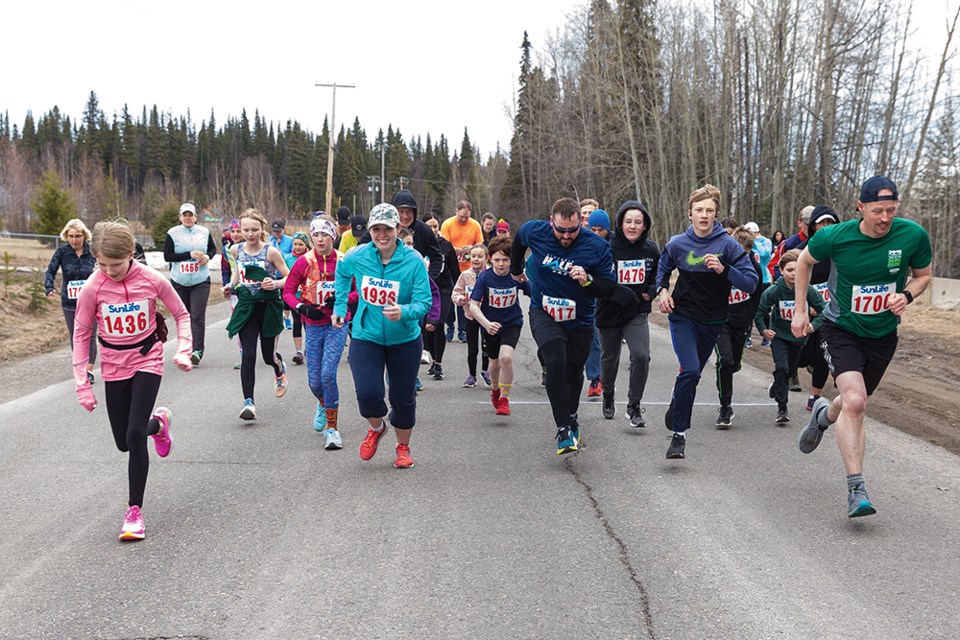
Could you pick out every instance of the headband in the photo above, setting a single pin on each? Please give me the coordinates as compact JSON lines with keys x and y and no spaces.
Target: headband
{"x":323,"y":226}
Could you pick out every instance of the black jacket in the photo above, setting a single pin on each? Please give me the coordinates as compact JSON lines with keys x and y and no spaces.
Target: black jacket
{"x":611,"y":313}
{"x":424,"y":241}
{"x":74,"y":268}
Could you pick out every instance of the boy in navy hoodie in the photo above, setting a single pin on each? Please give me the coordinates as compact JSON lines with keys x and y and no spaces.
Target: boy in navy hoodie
{"x":709,"y":262}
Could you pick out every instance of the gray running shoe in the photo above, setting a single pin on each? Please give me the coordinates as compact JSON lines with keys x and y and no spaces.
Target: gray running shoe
{"x":609,"y":408}
{"x":858,"y":504}
{"x":635,"y":416}
{"x":795,"y":383}
{"x":725,"y":419}
{"x":676,"y":449}
{"x":812,"y":433}
{"x":782,"y":416}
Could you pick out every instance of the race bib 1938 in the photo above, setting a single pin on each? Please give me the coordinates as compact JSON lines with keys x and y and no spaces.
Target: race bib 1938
{"x":379,"y":292}
{"x":127,"y":319}
{"x":502,"y":298}
{"x":871,"y":299}
{"x":73,"y":288}
{"x":560,"y":309}
{"x":631,"y":271}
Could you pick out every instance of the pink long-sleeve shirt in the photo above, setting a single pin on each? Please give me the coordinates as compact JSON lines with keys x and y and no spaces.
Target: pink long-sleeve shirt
{"x":124,"y":313}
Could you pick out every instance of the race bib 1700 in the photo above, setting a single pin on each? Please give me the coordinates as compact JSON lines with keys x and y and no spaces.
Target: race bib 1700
{"x":631,"y":271}
{"x":379,"y":292}
{"x":824,"y":290}
{"x":737,"y":296}
{"x":871,"y":299}
{"x":73,"y":288}
{"x":502,"y":298}
{"x":560,"y":309}
{"x":127,"y":319}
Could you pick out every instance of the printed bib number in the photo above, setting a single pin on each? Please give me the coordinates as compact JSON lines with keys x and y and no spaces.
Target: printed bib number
{"x":189,"y":266}
{"x":129,"y":319}
{"x":379,"y":292}
{"x":560,"y":309}
{"x":631,"y":271}
{"x":871,"y":299}
{"x":786,"y":309}
{"x":73,"y":289}
{"x":823,"y":290}
{"x":737,"y":296}
{"x":243,"y":271}
{"x":469,"y":291}
{"x":324,"y":291}
{"x":502,"y":298}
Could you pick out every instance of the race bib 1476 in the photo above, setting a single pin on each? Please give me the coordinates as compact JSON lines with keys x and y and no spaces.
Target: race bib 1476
{"x":631,"y":271}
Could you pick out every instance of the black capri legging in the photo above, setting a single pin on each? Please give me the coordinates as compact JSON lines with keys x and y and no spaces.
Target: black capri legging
{"x":476,"y":341}
{"x":129,"y":408}
{"x":249,"y":335}
{"x":435,"y":341}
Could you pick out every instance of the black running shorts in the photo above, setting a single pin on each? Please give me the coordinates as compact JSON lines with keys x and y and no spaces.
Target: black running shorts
{"x":845,"y":351}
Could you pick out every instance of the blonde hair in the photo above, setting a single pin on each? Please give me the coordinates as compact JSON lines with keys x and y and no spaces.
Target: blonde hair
{"x":112,"y":240}
{"x":480,"y":245}
{"x":704,"y":192}
{"x":75,"y":223}
{"x":254,"y":214}
{"x":790,"y":256}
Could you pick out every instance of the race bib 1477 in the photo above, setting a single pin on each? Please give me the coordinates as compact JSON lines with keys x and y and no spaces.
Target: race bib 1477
{"x":502,"y":298}
{"x":126,"y":319}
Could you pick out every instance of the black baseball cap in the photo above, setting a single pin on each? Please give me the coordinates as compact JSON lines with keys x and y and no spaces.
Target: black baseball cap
{"x":870,"y":190}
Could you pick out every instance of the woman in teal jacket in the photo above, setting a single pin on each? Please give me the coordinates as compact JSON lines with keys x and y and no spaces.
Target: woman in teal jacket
{"x":394,"y":294}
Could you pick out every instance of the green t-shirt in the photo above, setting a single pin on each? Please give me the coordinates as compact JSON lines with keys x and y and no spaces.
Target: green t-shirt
{"x":866,"y":271}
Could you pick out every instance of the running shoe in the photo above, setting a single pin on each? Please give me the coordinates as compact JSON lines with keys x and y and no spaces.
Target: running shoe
{"x":858,"y":504}
{"x":133,"y":527}
{"x":298,"y":357}
{"x":764,"y":343}
{"x":425,"y":357}
{"x":486,"y":378}
{"x":90,"y":377}
{"x":449,"y":335}
{"x":503,"y":407}
{"x":462,"y":337}
{"x":196,"y":356}
{"x":725,"y":419}
{"x":470,"y":382}
{"x":161,"y":440}
{"x":418,"y":385}
{"x":332,"y":439}
{"x":249,"y":410}
{"x":812,"y":433}
{"x":770,"y":391}
{"x":810,"y":402}
{"x":432,"y":369}
{"x":238,"y":366}
{"x":782,"y":417}
{"x":565,"y":441}
{"x":320,"y":418}
{"x":288,"y":323}
{"x":575,"y":430}
{"x":609,"y":407}
{"x":795,"y":383}
{"x":495,"y":399}
{"x":748,"y":343}
{"x":437,"y":371}
{"x":676,"y":449}
{"x":282,"y":379}
{"x":635,"y":416}
{"x":368,"y":448}
{"x":595,"y":389}
{"x":403,"y":461}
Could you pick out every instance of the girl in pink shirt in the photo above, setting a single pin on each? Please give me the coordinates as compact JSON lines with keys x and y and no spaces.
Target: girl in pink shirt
{"x":120,"y":300}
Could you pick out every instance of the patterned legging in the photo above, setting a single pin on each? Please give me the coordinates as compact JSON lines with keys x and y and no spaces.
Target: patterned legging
{"x":323,"y":349}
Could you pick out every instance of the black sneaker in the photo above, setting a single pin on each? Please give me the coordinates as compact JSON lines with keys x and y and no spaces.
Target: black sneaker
{"x":795,"y":383}
{"x":437,"y":371}
{"x":782,"y":417}
{"x":609,"y":408}
{"x":635,"y":416}
{"x":668,"y":418}
{"x":770,"y":391}
{"x":433,"y":367}
{"x":725,"y":419}
{"x":90,"y":377}
{"x":677,"y":444}
{"x":565,"y":441}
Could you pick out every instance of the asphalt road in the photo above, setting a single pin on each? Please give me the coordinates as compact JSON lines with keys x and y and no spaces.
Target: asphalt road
{"x":255,"y":531}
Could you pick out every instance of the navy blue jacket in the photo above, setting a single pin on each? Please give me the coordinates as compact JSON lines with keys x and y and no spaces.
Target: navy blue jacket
{"x":75,"y":268}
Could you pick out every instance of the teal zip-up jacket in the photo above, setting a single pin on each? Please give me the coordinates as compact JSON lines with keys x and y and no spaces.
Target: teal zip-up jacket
{"x":404,"y":279}
{"x":778,"y":301}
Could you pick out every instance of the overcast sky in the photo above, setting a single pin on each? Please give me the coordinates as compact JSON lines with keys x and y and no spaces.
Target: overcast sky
{"x":427,"y":66}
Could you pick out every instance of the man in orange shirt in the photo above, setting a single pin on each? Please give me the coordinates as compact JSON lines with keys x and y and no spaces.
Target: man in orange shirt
{"x":462,"y":231}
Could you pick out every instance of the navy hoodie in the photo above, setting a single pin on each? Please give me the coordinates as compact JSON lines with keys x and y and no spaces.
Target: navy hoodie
{"x":635,"y":264}
{"x":700,"y":293}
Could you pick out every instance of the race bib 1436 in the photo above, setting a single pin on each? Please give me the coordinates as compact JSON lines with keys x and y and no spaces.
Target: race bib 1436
{"x":126,"y":319}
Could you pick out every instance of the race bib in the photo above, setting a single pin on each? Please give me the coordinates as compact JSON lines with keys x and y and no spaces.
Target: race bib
{"x":324,"y":291}
{"x":786,"y":309}
{"x":737,"y":296}
{"x":128,"y":319}
{"x":560,"y":309}
{"x":73,"y":289}
{"x":871,"y":299}
{"x":379,"y":292}
{"x":243,"y":271}
{"x":189,"y":266}
{"x":631,"y":271}
{"x":469,"y":291}
{"x":823,"y":290}
{"x":502,"y":298}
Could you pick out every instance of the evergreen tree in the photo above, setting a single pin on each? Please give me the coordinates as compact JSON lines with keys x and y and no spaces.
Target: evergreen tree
{"x":52,"y":205}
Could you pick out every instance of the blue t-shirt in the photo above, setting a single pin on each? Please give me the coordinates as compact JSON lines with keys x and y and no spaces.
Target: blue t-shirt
{"x":499,"y":297}
{"x":284,"y":244}
{"x":549,"y":266}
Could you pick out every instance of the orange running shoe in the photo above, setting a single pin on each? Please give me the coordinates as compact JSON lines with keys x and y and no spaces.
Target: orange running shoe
{"x":368,"y":448}
{"x":404,"y":461}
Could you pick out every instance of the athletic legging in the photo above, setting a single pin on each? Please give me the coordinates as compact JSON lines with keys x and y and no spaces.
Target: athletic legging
{"x":324,"y":348}
{"x":248,"y":357}
{"x":436,"y":341}
{"x":69,"y":315}
{"x":195,"y":300}
{"x":297,"y":324}
{"x":564,"y":381}
{"x":129,"y":407}
{"x":476,"y":342}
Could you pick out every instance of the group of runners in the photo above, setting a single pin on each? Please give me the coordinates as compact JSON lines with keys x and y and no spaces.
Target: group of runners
{"x":587,"y":285}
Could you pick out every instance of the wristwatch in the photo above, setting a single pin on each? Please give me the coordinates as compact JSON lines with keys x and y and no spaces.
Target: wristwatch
{"x":908,"y":295}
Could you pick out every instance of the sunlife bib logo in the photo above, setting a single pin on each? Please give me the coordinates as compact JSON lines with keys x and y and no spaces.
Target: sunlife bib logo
{"x":893,"y":258}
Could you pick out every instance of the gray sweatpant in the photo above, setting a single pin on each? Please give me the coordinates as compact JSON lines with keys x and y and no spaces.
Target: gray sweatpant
{"x":637,"y":334}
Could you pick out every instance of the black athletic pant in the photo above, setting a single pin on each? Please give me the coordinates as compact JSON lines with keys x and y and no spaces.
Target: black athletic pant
{"x":249,"y":335}
{"x":195,"y":300}
{"x":436,"y":341}
{"x":729,"y":350}
{"x":476,"y":341}
{"x":563,"y":390}
{"x":129,"y":407}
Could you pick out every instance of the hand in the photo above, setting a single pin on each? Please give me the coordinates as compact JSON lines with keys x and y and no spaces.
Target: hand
{"x":769,"y":334}
{"x":493,"y":328}
{"x":430,"y":326}
{"x":392,"y":312}
{"x":86,"y":398}
{"x":897,"y":303}
{"x":227,"y":291}
{"x":800,"y":325}
{"x":665,"y":301}
{"x":183,"y":362}
{"x":336,"y":321}
{"x":52,"y":293}
{"x":710,"y":261}
{"x":268,"y":284}
{"x":579,"y":274}
{"x":311,"y":311}
{"x":519,"y":277}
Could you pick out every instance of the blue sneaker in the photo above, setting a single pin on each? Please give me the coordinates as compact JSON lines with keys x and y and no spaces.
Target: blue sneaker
{"x":249,"y":411}
{"x":332,"y":439}
{"x":320,"y":418}
{"x":858,"y":504}
{"x":575,"y":430}
{"x":419,"y":384}
{"x":565,"y":441}
{"x":288,"y":323}
{"x":450,"y":333}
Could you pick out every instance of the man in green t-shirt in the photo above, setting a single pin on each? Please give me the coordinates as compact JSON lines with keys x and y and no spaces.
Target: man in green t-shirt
{"x":868,"y":293}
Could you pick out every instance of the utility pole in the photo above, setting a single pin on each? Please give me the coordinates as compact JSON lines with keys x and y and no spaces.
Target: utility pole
{"x":383,"y":182}
{"x":332,"y":134}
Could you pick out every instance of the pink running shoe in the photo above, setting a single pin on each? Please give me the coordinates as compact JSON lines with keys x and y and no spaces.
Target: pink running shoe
{"x":133,"y":528}
{"x":161,"y":440}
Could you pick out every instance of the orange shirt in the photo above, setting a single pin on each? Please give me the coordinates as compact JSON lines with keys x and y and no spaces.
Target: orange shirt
{"x":462,"y":235}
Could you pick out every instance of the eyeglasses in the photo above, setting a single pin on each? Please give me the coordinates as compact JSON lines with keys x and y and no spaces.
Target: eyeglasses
{"x":565,"y":231}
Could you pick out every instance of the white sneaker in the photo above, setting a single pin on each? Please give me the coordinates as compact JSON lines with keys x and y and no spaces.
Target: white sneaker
{"x":425,"y":357}
{"x":332,"y":440}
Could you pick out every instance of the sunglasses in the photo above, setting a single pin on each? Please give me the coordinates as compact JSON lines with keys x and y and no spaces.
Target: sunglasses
{"x":565,"y":231}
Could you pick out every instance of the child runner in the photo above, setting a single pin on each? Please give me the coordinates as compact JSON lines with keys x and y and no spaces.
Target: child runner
{"x":778,"y":300}
{"x":312,"y":278}
{"x":259,"y":310}
{"x":394,"y":295}
{"x":228,"y":264}
{"x":495,"y":306}
{"x":301,"y":244}
{"x":120,"y":300}
{"x":461,"y":297}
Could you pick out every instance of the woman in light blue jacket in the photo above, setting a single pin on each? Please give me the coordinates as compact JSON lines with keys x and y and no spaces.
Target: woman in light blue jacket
{"x":394,"y":294}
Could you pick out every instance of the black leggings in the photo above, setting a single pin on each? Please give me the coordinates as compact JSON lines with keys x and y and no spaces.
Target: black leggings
{"x":436,"y":341}
{"x":129,"y":407}
{"x":195,"y":300}
{"x":476,"y":341}
{"x":564,"y":380}
{"x":248,"y":358}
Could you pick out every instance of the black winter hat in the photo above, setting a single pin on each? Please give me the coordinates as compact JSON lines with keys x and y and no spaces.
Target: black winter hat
{"x":404,"y":198}
{"x":343,"y":215}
